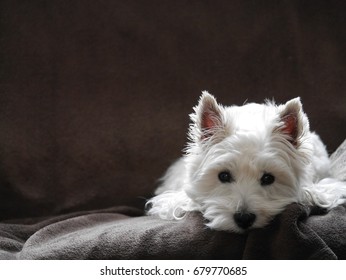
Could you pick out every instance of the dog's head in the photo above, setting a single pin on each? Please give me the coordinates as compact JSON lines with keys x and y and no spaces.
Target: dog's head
{"x":245,"y":164}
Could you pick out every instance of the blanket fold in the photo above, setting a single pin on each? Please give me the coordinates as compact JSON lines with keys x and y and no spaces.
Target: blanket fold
{"x":298,"y":233}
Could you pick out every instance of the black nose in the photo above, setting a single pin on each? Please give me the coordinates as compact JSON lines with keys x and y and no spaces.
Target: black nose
{"x":244,"y":220}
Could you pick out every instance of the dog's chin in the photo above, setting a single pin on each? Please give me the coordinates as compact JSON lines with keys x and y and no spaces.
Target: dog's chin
{"x":229,"y":227}
{"x":227,"y":224}
{"x":222,"y":222}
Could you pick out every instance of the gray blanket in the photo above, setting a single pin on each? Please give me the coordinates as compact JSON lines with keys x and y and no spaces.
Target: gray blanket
{"x":117,"y":233}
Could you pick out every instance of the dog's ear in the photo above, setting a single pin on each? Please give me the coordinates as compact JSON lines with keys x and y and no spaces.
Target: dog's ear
{"x":207,"y":120}
{"x":293,"y":121}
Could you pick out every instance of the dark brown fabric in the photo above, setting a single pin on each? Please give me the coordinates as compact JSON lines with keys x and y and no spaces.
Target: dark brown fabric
{"x":95,"y":95}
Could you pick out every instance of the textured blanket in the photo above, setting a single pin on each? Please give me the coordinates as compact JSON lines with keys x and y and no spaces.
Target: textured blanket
{"x":116,"y":233}
{"x":300,"y":232}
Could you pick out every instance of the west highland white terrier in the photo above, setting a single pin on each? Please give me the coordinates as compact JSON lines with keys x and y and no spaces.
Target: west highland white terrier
{"x":244,"y":164}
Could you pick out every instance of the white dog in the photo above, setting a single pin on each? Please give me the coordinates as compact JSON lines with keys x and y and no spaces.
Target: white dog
{"x":245,"y":164}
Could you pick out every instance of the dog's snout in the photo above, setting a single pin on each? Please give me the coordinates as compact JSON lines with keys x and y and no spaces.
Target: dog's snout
{"x":244,"y":219}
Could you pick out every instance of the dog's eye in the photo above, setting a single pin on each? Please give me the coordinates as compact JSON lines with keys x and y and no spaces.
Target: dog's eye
{"x":225,"y":177}
{"x":267,"y":179}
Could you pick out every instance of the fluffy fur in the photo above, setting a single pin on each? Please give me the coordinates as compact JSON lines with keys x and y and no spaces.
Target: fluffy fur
{"x":245,"y":164}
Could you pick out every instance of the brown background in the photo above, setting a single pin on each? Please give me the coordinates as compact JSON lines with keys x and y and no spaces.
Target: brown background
{"x":95,"y":95}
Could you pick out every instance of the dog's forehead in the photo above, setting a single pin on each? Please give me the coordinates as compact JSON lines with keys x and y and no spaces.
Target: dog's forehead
{"x":244,"y":146}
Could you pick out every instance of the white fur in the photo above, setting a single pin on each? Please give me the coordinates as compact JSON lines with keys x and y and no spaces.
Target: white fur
{"x":247,"y":141}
